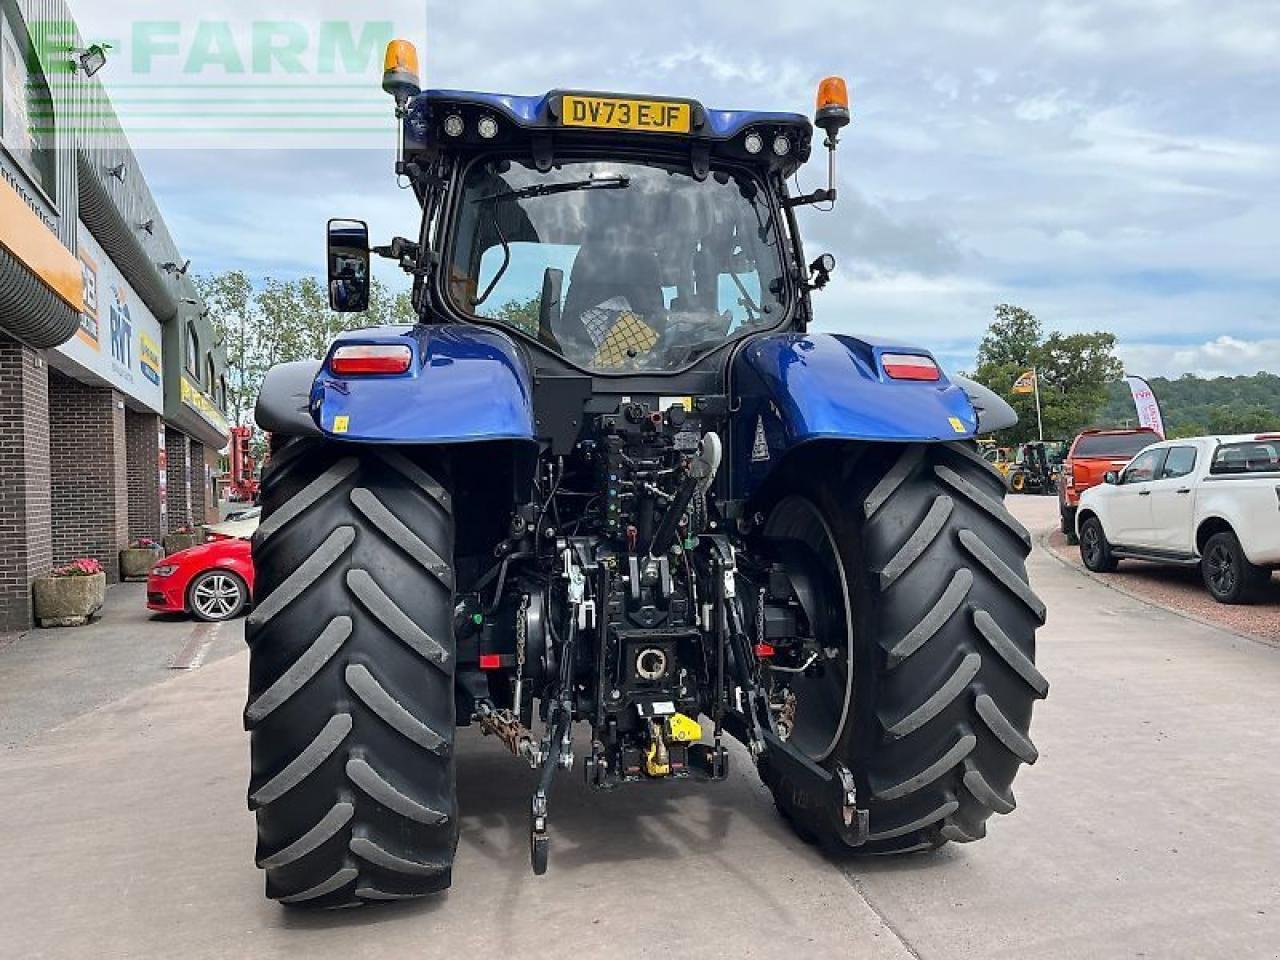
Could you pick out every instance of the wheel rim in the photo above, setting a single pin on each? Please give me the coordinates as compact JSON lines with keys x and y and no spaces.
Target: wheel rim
{"x":823,"y":701}
{"x":216,"y":596}
{"x":1092,"y":544}
{"x":1222,"y":571}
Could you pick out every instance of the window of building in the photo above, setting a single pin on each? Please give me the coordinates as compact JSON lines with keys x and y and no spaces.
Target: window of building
{"x":26,"y":107}
{"x":193,"y":351}
{"x":211,"y":379}
{"x":222,"y":393}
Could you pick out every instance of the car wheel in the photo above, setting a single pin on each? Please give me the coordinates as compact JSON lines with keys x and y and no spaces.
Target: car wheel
{"x":217,"y":595}
{"x":1227,"y":572}
{"x":1095,"y":551}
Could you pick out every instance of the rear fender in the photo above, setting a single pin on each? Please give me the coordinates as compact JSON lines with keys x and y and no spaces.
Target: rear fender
{"x":797,"y":389}
{"x":465,"y":384}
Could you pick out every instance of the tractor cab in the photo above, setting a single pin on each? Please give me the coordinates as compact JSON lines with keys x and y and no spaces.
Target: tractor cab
{"x":608,"y":234}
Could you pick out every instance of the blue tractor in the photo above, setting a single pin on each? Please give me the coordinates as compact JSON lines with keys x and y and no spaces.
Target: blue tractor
{"x":609,"y":499}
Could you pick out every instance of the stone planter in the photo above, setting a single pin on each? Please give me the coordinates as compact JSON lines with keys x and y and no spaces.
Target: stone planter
{"x":136,"y":562}
{"x":173,"y":542}
{"x":68,"y":601}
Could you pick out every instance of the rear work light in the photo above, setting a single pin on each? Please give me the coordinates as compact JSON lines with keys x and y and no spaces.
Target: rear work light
{"x":910,"y":366}
{"x":367,"y":358}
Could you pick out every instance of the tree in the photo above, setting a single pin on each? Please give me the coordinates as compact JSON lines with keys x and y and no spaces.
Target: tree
{"x":278,"y":321}
{"x":1074,"y":371}
{"x":1194,"y":406}
{"x":229,"y":299}
{"x":1012,"y":338}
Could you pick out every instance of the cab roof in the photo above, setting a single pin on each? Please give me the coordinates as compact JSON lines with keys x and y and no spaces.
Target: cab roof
{"x":540,"y":120}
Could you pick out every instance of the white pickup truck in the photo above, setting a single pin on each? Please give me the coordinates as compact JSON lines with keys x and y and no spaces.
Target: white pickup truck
{"x":1212,"y":502}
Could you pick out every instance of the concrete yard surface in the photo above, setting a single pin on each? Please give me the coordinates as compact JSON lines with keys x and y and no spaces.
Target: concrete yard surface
{"x":1145,"y":830}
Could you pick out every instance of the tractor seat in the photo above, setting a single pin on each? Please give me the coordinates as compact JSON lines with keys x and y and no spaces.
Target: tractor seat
{"x":606,"y":277}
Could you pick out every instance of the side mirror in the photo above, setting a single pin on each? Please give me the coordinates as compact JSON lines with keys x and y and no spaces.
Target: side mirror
{"x":349,"y":281}
{"x":1111,"y":477}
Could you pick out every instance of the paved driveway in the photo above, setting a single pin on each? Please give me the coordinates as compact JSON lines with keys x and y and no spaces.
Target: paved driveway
{"x":1146,"y":829}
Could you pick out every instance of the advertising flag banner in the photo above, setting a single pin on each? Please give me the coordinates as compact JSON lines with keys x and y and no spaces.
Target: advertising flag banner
{"x":1025,"y":383}
{"x":1144,"y":401}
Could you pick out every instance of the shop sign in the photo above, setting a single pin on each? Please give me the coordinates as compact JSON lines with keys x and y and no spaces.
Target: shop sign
{"x":197,"y":400}
{"x":119,"y":338}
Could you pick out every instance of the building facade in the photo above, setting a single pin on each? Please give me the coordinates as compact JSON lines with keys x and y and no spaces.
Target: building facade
{"x":112,"y":389}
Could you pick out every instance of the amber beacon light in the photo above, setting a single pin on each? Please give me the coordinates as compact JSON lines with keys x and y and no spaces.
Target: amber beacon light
{"x":400,"y":71}
{"x":833,"y":106}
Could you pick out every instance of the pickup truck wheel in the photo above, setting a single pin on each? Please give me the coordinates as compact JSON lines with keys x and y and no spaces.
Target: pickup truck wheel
{"x":351,"y":688}
{"x":926,"y":693}
{"x":1068,"y":518}
{"x":1095,"y":551}
{"x":1227,"y":572}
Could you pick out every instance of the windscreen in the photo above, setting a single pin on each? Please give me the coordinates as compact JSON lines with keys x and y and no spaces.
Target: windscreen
{"x":1114,"y":446}
{"x":619,"y":267}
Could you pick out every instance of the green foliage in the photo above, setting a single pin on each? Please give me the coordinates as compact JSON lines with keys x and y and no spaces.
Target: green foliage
{"x":1074,"y":371}
{"x":525,"y":315}
{"x":279,"y":321}
{"x":1194,"y":406}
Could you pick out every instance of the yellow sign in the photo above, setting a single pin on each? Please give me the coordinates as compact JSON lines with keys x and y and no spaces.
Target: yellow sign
{"x":956,"y":424}
{"x":27,"y":237}
{"x":341,"y":424}
{"x":611,"y":113}
{"x":194,"y":397}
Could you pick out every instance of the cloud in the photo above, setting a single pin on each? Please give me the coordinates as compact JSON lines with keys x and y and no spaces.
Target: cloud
{"x":1223,"y":356}
{"x":1109,"y":165}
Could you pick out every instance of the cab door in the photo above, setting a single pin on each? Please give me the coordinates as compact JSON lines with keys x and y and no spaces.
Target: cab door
{"x":1173,"y":501}
{"x":1129,"y":509}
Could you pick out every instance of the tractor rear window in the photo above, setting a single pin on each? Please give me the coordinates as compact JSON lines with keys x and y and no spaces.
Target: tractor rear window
{"x":1113,"y":446}
{"x":619,"y":267}
{"x":1246,"y":457}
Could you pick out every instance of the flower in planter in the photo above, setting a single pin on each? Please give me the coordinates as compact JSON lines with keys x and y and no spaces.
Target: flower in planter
{"x":143,"y":543}
{"x":84,"y":567}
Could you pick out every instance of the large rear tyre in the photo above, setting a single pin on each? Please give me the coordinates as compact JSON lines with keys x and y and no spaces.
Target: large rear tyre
{"x":940,"y":623}
{"x":351,"y":696}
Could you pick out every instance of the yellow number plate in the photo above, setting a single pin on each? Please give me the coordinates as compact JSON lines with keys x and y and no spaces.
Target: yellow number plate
{"x":607,"y":113}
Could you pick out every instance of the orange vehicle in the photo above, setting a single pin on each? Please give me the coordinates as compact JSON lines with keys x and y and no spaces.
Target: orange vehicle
{"x":1092,"y":454}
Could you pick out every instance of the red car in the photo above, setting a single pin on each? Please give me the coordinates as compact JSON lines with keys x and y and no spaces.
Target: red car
{"x":212,"y":581}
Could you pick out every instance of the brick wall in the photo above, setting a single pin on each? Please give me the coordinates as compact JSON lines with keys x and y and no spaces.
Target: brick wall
{"x":142,"y":444}
{"x":88,"y":473}
{"x":25,"y":537}
{"x":199,"y":496}
{"x":178,"y":477}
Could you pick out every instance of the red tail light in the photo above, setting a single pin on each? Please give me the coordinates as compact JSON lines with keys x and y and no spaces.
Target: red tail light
{"x":490,"y":661}
{"x":910,"y":366}
{"x":370,"y":358}
{"x":764,"y":650}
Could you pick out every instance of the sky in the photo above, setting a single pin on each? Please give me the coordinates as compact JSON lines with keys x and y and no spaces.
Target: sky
{"x":1109,"y":166}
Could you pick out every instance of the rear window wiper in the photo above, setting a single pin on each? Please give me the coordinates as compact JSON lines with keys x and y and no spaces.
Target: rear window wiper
{"x":617,"y":182}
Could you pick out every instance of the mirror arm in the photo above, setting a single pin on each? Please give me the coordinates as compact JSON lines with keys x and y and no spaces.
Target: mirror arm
{"x":818,"y":196}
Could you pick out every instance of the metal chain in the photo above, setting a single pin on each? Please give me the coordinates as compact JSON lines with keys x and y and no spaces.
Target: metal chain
{"x":760,"y":616}
{"x":522,"y":636}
